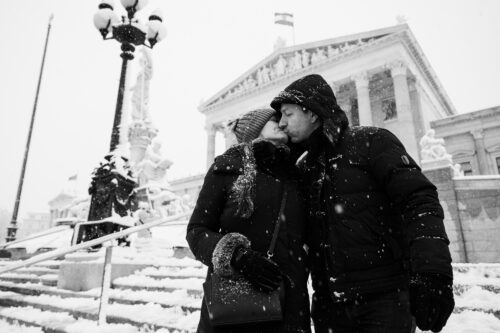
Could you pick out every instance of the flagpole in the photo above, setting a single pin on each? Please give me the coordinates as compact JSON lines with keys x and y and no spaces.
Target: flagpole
{"x":12,"y":228}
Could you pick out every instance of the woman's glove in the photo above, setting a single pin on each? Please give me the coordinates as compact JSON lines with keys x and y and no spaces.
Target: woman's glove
{"x":263,"y":273}
{"x":431,"y":300}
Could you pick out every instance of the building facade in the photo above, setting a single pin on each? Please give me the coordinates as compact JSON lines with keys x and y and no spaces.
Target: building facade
{"x":381,"y":78}
{"x":473,"y":140}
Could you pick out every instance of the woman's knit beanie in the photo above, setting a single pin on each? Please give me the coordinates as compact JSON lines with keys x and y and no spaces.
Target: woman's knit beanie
{"x":248,"y":127}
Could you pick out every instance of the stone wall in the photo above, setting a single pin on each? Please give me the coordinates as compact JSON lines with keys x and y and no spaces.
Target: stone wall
{"x":472,"y":214}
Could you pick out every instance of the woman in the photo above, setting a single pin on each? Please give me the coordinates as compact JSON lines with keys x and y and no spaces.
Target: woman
{"x":235,"y":215}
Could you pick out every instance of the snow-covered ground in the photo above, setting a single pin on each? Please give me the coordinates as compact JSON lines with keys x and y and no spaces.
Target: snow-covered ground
{"x":166,"y":297}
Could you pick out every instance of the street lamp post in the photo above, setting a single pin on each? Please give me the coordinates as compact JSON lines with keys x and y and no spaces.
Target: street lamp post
{"x":112,"y":182}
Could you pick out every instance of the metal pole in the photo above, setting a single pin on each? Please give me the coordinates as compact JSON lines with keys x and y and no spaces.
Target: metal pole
{"x":12,"y":229}
{"x":127,"y":55}
{"x":106,"y":284}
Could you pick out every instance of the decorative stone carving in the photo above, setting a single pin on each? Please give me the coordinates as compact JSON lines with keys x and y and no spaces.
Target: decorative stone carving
{"x":288,"y":63}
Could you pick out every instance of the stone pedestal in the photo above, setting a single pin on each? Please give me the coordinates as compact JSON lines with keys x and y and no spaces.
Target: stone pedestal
{"x":441,"y":174}
{"x":140,"y":136}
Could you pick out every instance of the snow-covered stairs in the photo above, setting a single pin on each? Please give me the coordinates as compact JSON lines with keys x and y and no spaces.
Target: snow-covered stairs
{"x":166,"y":298}
{"x":477,"y":288}
{"x":477,"y":299}
{"x":163,"y":298}
{"x":44,"y":273}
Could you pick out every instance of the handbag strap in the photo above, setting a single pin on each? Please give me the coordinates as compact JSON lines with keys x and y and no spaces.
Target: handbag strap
{"x":281,"y":217}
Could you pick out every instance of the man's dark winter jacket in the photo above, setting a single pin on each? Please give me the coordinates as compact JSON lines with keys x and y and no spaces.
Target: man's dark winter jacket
{"x":371,"y":208}
{"x":374,"y":217}
{"x":214,"y":222}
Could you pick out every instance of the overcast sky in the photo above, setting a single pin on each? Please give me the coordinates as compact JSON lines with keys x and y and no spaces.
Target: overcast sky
{"x":209,"y":43}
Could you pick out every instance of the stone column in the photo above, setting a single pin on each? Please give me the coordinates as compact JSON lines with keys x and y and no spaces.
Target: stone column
{"x":229,"y":137}
{"x":364,"y":106}
{"x":482,"y":158}
{"x":406,"y":125}
{"x":211,"y":131}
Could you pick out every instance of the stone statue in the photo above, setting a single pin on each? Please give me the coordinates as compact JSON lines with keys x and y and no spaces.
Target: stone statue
{"x":266,"y":74}
{"x":280,"y":66}
{"x":457,"y":170}
{"x":140,"y":94}
{"x":318,"y":56}
{"x":153,"y":167}
{"x":433,"y":148}
{"x":305,"y":58}
{"x":332,"y":51}
{"x":297,"y":60}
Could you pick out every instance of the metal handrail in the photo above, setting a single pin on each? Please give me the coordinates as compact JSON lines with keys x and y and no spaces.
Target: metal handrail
{"x":69,"y":249}
{"x":50,"y":232}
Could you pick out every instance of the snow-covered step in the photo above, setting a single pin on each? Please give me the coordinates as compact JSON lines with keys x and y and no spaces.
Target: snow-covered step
{"x":36,"y":270}
{"x":165,"y":299}
{"x":460,"y":309}
{"x":478,"y":299}
{"x":152,"y":315}
{"x":34,"y":289}
{"x":459,"y":288}
{"x":194,"y":286}
{"x":16,"y":327}
{"x":174,"y":272}
{"x":57,"y":322}
{"x":48,"y":279}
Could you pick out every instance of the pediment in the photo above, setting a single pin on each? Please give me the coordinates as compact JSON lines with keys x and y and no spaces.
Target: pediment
{"x":291,"y":60}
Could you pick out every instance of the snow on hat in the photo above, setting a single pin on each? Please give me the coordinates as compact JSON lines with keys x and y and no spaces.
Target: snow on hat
{"x":248,"y":127}
{"x":313,"y":93}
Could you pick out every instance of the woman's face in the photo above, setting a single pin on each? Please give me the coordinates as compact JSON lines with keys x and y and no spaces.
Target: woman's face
{"x":272,"y":132}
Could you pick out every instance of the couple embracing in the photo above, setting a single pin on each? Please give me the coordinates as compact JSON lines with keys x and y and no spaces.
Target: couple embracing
{"x":345,"y":205}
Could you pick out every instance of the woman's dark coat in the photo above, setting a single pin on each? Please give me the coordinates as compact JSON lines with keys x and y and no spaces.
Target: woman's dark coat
{"x":214,"y":217}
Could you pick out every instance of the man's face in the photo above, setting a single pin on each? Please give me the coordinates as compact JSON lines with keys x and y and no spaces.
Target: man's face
{"x":297,"y":123}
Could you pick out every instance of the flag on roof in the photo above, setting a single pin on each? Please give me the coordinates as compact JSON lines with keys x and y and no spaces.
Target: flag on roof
{"x":283,"y":18}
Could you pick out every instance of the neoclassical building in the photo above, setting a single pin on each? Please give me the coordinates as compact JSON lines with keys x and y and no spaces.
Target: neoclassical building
{"x":381,"y":78}
{"x":473,"y":140}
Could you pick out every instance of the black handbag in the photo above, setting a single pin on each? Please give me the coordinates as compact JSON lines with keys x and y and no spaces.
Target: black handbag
{"x":234,"y":301}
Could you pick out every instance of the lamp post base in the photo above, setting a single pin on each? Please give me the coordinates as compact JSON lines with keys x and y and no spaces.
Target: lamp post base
{"x":11,"y":232}
{"x":111,"y":189}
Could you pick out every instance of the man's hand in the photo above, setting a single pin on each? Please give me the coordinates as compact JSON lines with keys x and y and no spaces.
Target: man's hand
{"x":262,"y":272}
{"x":431,"y":300}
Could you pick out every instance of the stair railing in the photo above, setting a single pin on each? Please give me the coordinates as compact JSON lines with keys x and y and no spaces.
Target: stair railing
{"x":49,"y":232}
{"x":107,"y":242}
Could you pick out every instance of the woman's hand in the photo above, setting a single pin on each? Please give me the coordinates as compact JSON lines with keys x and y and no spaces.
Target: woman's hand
{"x":263,"y":273}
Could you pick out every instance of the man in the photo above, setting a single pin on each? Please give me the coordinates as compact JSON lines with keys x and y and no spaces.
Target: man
{"x":378,"y":247}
